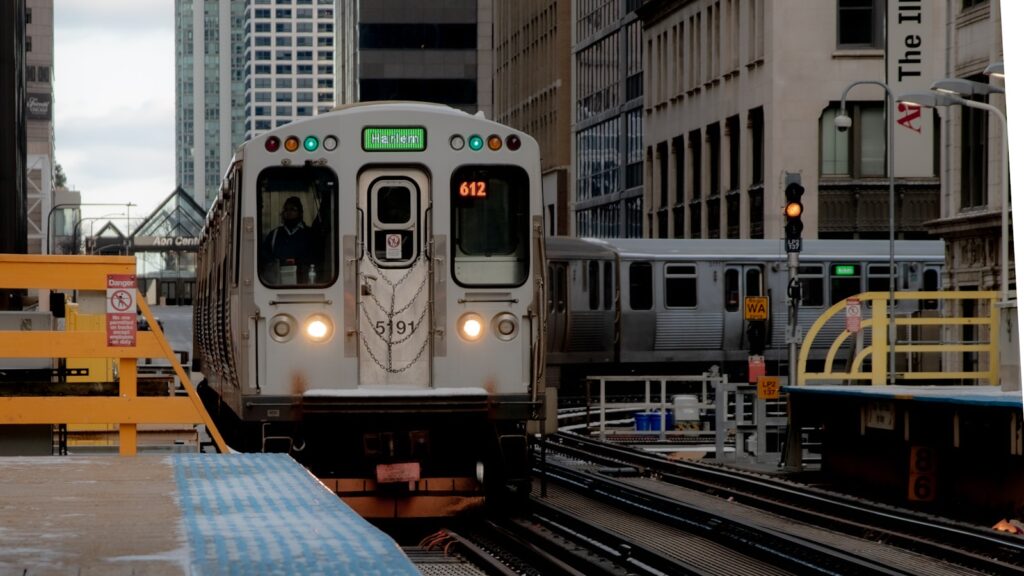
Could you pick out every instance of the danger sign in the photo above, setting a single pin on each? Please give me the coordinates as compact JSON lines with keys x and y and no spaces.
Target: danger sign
{"x":755,"y":308}
{"x":853,"y":315}
{"x":121,"y":325}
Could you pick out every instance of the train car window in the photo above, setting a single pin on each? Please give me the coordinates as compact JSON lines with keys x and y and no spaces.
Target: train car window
{"x":490,"y":225}
{"x":594,"y":283}
{"x":732,"y":290}
{"x":844,"y":281}
{"x":394,"y":204}
{"x":680,"y":286}
{"x":753,"y":282}
{"x":561,"y":290}
{"x":607,"y":286}
{"x":641,"y":286}
{"x":812,"y":285}
{"x":297,"y":225}
{"x":930,"y":283}
{"x":878,"y":279}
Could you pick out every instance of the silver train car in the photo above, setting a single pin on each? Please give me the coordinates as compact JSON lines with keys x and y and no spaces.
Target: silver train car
{"x":370,"y":300}
{"x":652,"y":306}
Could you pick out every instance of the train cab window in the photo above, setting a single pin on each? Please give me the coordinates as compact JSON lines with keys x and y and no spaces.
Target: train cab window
{"x":394,"y":221}
{"x":297,"y":225}
{"x":812,"y":285}
{"x":680,"y":286}
{"x":844,"y":281}
{"x":732,"y":290}
{"x":490,"y":225}
{"x":641,"y":286}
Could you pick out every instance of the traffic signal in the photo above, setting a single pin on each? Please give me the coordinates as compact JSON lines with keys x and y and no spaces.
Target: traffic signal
{"x":794,"y":211}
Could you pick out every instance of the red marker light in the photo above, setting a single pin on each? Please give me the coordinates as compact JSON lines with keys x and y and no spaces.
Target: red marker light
{"x":272,"y":144}
{"x":513,"y":142}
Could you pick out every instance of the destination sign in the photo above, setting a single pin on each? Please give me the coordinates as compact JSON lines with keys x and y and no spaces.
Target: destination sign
{"x":394,"y":139}
{"x":844,"y":270}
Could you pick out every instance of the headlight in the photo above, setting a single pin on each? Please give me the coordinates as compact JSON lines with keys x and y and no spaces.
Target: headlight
{"x":282,"y":327}
{"x":471,"y":326}
{"x":319,"y":328}
{"x":505,"y":326}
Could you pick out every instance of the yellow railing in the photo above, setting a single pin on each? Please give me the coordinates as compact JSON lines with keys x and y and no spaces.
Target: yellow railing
{"x":127,"y":409}
{"x":879,"y":348}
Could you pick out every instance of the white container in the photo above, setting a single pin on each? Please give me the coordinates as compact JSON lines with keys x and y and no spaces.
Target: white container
{"x":686,"y":408}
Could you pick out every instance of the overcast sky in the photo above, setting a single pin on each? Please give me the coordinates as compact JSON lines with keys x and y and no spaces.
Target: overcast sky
{"x":114,"y":101}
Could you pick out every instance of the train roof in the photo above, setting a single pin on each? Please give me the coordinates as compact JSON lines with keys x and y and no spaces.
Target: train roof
{"x":761,"y":250}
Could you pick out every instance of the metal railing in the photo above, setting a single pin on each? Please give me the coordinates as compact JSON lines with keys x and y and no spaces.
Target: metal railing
{"x":878,"y":348}
{"x":128,"y":410}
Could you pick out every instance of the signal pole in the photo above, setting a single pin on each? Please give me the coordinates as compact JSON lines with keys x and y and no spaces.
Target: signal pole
{"x":794,"y":244}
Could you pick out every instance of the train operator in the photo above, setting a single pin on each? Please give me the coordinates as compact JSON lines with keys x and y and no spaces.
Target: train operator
{"x":288,"y":247}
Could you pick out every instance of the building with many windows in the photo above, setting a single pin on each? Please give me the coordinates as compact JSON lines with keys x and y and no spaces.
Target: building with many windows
{"x":437,"y":51}
{"x":209,"y":92}
{"x":741,"y":93}
{"x":532,"y":90}
{"x":289,"y":61}
{"x":607,"y":125}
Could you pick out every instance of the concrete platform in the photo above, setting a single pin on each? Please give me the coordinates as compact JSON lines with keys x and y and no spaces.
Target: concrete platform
{"x":181,"y":514}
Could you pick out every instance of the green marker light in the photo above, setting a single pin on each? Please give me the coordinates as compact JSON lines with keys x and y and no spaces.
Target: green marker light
{"x":310,"y":143}
{"x":475,"y":142}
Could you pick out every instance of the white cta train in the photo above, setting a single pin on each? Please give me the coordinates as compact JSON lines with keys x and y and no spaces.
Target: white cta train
{"x":370,"y":300}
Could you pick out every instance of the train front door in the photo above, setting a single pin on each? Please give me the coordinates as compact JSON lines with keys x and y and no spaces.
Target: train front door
{"x":741,"y":281}
{"x":393,"y":299}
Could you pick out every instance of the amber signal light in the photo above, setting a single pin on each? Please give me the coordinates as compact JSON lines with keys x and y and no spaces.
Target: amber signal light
{"x":291,"y":144}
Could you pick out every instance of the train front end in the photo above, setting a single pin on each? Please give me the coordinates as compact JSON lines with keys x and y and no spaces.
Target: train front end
{"x":388,"y":305}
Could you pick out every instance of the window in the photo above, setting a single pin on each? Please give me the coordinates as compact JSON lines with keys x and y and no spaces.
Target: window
{"x":755,"y":120}
{"x":732,"y":290}
{"x":594,"y":284}
{"x":641,"y":286}
{"x":973,"y":156}
{"x":607,"y":286}
{"x":680,"y":286}
{"x":283,"y":82}
{"x":418,"y":36}
{"x":859,"y":23}
{"x":859,"y":151}
{"x":968,"y":4}
{"x":491,"y":228}
{"x":812,"y":285}
{"x":262,"y":41}
{"x":844,"y":281}
{"x":43,"y":74}
{"x":296,"y":220}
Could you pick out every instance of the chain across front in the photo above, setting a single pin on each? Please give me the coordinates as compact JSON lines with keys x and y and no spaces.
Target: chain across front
{"x":389,"y":312}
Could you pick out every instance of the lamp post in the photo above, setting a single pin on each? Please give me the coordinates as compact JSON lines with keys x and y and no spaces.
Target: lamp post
{"x":945,"y":98}
{"x":92,"y":221}
{"x":843,"y":122}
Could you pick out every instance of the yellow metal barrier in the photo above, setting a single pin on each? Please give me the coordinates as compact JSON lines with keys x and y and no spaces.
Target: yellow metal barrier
{"x":878,"y":350}
{"x":127,"y":410}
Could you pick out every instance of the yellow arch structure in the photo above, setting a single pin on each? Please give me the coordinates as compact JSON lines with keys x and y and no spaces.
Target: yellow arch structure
{"x":127,"y":409}
{"x":878,"y":350}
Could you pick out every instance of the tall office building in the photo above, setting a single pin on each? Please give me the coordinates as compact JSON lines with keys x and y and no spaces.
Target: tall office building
{"x":608,"y":123}
{"x":532,"y":90}
{"x":39,"y":189}
{"x":209,"y":92}
{"x":437,"y":51}
{"x":289,"y":61}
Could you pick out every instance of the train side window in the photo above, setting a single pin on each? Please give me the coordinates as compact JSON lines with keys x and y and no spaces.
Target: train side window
{"x":844,"y":281}
{"x":680,"y":286}
{"x":607,"y":286}
{"x":812,"y":285}
{"x":753,"y":282}
{"x":878,"y":279}
{"x":732,"y":290}
{"x":561,"y":292}
{"x":296,"y":218}
{"x":594,"y":283}
{"x":490,"y":225}
{"x":930,"y":283}
{"x":641,"y":286}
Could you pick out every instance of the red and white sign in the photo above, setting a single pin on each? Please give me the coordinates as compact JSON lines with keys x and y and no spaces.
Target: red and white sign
{"x":853,"y":315}
{"x":755,"y":368}
{"x":394,"y":247}
{"x":121,"y":310}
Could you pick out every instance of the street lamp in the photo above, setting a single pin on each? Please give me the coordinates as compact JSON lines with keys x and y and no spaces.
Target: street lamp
{"x":843,"y":123}
{"x":946,"y":98}
{"x":995,"y":69}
